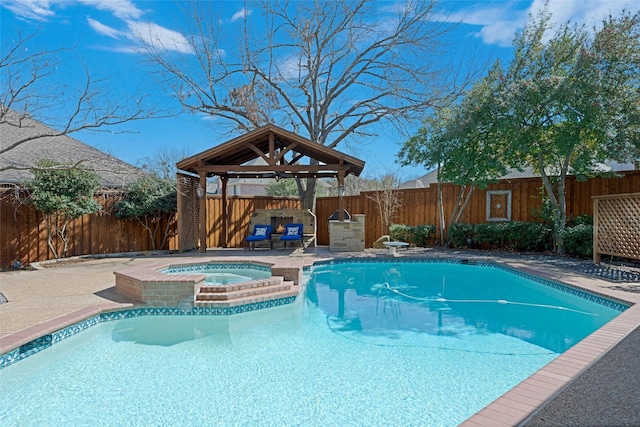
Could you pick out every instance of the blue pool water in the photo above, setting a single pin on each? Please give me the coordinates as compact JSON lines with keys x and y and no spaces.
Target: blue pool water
{"x":370,"y":344}
{"x":223,"y":274}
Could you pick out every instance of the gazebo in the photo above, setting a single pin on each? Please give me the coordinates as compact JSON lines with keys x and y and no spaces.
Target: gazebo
{"x":287,"y":155}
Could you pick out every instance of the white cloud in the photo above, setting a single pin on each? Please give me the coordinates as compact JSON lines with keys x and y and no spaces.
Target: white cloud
{"x":104,"y":29}
{"x":590,"y":12}
{"x":242,"y":13}
{"x":36,"y":10}
{"x":500,"y":22}
{"x":160,"y":37}
{"x":136,"y":31}
{"x":290,"y":68}
{"x":123,"y":9}
{"x":41,"y":10}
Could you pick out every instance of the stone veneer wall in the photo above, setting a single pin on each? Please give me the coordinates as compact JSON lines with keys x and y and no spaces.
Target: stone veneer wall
{"x":347,"y":236}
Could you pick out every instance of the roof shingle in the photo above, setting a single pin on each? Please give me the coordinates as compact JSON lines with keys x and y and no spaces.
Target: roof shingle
{"x":113,"y":172}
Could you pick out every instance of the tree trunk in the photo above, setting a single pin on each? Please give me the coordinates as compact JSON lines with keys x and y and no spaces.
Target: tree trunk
{"x":308,"y":194}
{"x":145,"y":223}
{"x":50,"y":234}
{"x":62,"y":234}
{"x":558,"y":203}
{"x":460,"y":204}
{"x":443,"y":233}
{"x":561,"y":222}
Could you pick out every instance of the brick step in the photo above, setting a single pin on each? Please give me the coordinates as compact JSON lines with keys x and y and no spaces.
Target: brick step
{"x":294,"y":291}
{"x":260,"y":283}
{"x":242,"y":293}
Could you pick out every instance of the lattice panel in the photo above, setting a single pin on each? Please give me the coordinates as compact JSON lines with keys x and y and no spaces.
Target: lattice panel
{"x":619,"y":226}
{"x":188,"y":212}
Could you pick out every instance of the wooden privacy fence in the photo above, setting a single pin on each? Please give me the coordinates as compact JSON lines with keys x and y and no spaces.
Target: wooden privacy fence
{"x":23,"y":235}
{"x":523,"y":196}
{"x":616,"y":226}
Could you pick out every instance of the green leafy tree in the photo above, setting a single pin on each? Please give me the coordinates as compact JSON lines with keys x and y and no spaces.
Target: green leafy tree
{"x":572,"y":101}
{"x":463,"y":144}
{"x":282,"y":188}
{"x":152,"y":202}
{"x":569,"y":101}
{"x":62,"y":193}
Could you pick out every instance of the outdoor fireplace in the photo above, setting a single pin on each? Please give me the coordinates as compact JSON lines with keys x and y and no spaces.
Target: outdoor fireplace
{"x":278,"y":223}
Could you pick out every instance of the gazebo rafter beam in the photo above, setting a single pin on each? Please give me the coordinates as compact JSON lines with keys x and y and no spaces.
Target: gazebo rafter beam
{"x":258,"y":175}
{"x":281,"y":154}
{"x":252,"y":169}
{"x":265,"y":157}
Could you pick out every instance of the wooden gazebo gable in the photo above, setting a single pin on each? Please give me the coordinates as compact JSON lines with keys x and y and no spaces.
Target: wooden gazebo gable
{"x":273,"y":145}
{"x":283,"y":152}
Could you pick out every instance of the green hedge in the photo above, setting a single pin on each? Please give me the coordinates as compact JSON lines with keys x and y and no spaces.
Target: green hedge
{"x":459,"y":233}
{"x":515,"y":235}
{"x":527,"y":236}
{"x":420,"y":235}
{"x":578,"y":240}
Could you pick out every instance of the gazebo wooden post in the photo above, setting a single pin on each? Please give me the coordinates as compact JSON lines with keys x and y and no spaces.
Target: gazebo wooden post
{"x":203,"y":211}
{"x":341,"y":195}
{"x":225,"y":217}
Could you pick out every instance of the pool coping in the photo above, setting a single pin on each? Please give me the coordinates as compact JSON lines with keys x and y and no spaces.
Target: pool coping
{"x":522,"y":402}
{"x":514,"y":407}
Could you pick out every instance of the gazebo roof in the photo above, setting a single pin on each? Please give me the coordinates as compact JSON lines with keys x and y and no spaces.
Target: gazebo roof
{"x":274,"y":145}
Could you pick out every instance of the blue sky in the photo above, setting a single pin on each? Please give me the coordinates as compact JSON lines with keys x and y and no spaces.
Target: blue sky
{"x":101,"y":35}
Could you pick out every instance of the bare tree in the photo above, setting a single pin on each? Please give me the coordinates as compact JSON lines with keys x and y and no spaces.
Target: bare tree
{"x":163,"y":162}
{"x":29,"y":89}
{"x":388,"y":198}
{"x":329,"y":70}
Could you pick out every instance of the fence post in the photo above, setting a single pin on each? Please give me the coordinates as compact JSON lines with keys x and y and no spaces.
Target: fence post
{"x":596,"y":254}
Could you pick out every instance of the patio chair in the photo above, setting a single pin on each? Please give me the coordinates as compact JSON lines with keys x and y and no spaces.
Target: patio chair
{"x":292,"y":232}
{"x":260,"y":233}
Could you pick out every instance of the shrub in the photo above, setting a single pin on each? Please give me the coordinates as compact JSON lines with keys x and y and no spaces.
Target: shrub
{"x":492,"y":233}
{"x":459,"y":233}
{"x":526,"y":236}
{"x":421,"y":235}
{"x":578,"y":240}
{"x":580,"y":219}
{"x":150,"y":200}
{"x":62,"y":193}
{"x":399,"y":232}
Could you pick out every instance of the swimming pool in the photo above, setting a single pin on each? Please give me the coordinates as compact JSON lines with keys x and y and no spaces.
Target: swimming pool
{"x":372,"y":343}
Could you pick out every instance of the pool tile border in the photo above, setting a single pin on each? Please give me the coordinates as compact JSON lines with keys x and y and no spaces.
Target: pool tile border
{"x":184,"y":268}
{"x":45,"y":341}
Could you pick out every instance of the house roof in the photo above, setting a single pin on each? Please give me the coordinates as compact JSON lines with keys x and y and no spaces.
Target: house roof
{"x":283,"y":152}
{"x":527,"y":172}
{"x":39,"y":144}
